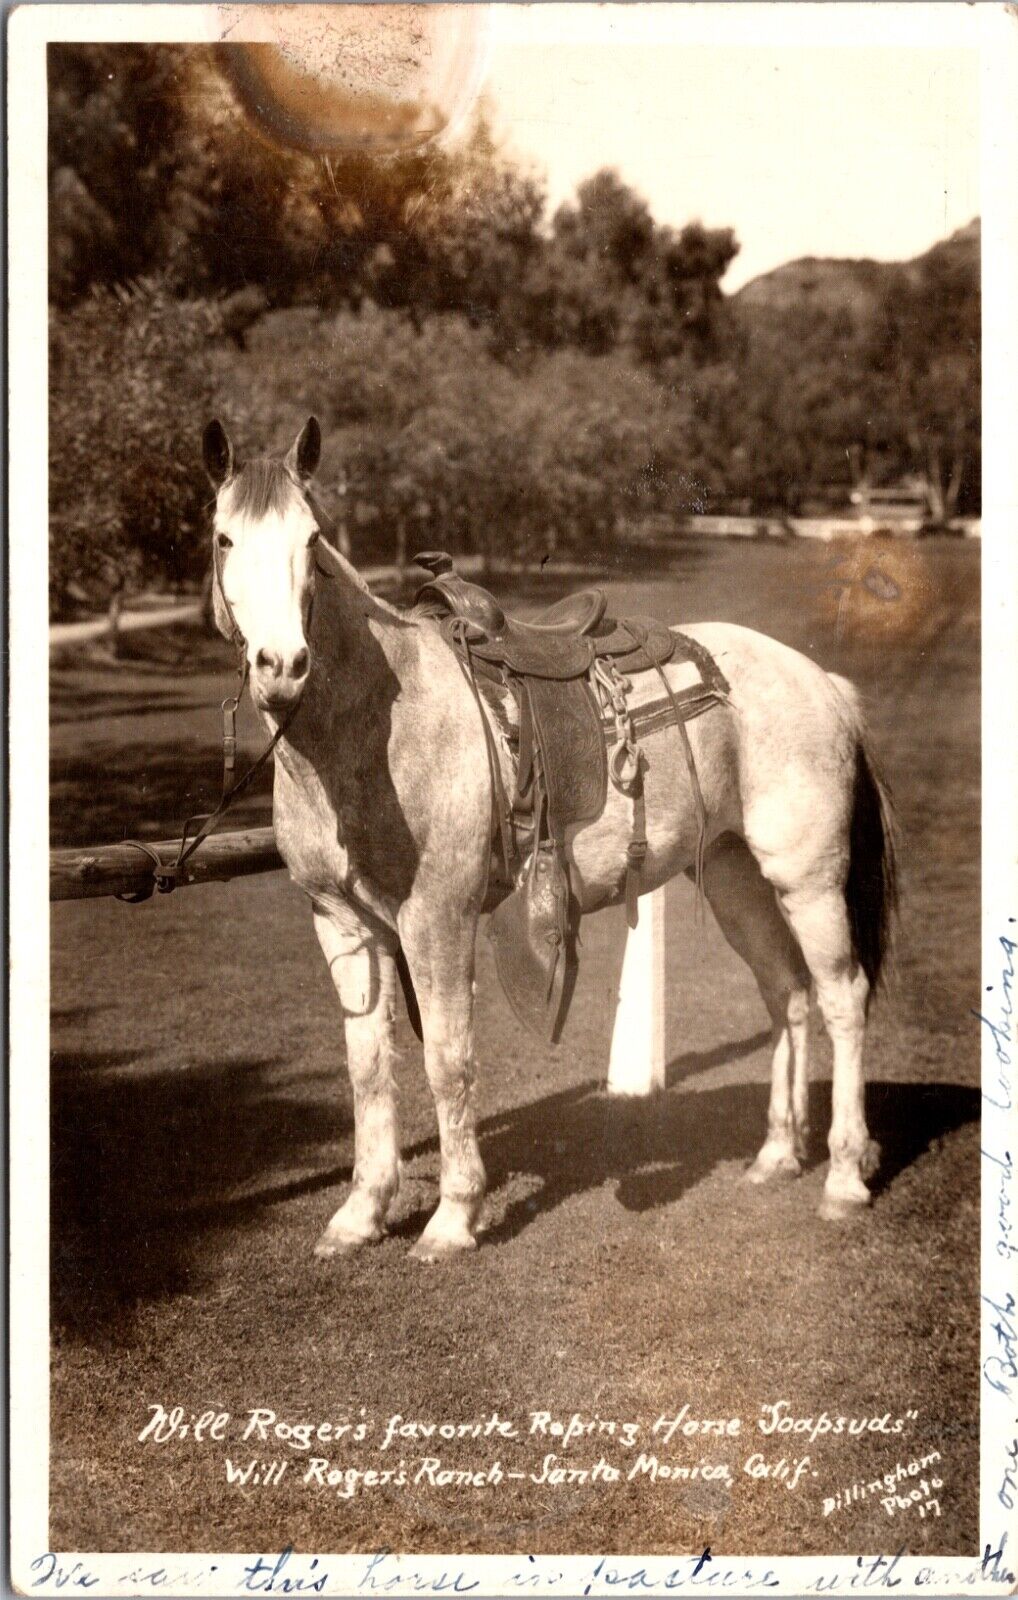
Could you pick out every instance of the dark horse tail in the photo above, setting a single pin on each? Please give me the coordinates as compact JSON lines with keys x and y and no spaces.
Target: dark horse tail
{"x":871,"y":888}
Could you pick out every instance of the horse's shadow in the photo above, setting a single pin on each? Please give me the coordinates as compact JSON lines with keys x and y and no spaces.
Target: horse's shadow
{"x":655,"y":1150}
{"x":143,"y":1167}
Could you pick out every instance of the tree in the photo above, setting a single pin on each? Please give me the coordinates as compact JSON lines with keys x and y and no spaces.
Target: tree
{"x":925,"y":351}
{"x":122,"y":182}
{"x":218,"y":210}
{"x":611,"y":278}
{"x":849,"y":373}
{"x":130,"y":388}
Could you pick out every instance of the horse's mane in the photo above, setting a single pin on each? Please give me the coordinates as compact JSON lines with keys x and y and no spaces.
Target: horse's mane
{"x":335,"y":564}
{"x":260,"y":486}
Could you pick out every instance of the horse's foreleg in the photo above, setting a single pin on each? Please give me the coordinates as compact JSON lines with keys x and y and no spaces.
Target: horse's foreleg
{"x":747,"y":913}
{"x":441,"y":960}
{"x":364,"y":972}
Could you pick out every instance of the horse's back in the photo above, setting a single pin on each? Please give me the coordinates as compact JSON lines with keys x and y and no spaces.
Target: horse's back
{"x":790,"y":742}
{"x":773,"y":686}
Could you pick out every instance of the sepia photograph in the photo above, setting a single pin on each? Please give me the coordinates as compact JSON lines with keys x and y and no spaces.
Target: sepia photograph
{"x":505,"y":711}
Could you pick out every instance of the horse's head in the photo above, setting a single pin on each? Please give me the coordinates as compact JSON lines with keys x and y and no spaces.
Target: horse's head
{"x":263,"y":536}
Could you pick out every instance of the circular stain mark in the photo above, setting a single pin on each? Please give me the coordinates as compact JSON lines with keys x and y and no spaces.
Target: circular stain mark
{"x":331,"y":78}
{"x":876,"y":590}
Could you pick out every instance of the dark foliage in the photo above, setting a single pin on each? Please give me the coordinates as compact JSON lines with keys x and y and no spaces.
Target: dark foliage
{"x":489,"y":379}
{"x":129,"y":376}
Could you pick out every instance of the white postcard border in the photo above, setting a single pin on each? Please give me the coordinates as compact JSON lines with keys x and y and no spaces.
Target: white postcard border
{"x":994,"y":29}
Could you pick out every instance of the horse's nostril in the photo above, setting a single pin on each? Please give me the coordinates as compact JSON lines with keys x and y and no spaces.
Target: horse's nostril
{"x":300,"y":663}
{"x":269,"y":661}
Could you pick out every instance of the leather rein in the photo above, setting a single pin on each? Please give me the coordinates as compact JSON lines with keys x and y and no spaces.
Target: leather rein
{"x":165,"y":878}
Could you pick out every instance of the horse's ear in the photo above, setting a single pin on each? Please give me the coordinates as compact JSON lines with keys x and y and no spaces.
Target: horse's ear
{"x":306,"y":450}
{"x":217,"y":453}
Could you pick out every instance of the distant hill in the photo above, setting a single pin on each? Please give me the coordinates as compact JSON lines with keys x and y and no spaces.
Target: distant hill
{"x":848,"y":285}
{"x":859,"y":371}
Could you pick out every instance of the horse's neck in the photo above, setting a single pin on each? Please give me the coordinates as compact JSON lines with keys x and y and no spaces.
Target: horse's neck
{"x":334,"y":565}
{"x":356,"y":642}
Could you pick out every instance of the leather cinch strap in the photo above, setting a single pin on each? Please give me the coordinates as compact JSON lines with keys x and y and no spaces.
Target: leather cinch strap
{"x":638,"y":844}
{"x":636,"y":851}
{"x":459,"y":634}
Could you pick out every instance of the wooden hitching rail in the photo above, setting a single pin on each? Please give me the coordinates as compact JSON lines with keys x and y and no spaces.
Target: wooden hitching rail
{"x":122,"y":869}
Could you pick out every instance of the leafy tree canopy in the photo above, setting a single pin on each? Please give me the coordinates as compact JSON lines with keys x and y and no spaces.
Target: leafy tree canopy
{"x":491,"y":376}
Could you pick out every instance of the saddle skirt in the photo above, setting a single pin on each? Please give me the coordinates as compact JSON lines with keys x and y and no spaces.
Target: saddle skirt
{"x":581,"y":728}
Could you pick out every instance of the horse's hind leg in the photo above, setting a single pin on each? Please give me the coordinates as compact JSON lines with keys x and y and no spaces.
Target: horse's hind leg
{"x":363,"y":970}
{"x":747,"y":913}
{"x":814,"y":902}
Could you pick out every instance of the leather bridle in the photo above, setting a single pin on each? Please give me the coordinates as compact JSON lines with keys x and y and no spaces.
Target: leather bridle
{"x":165,"y":878}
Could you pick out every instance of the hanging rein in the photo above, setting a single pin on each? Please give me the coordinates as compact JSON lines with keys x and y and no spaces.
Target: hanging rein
{"x":165,"y":878}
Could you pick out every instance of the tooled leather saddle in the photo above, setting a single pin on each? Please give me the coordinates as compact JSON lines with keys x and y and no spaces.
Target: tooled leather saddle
{"x":568,"y":671}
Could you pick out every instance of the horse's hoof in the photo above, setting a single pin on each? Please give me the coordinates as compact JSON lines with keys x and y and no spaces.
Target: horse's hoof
{"x":338,"y":1242}
{"x":442,"y":1249}
{"x":843,"y":1208}
{"x":783,"y":1167}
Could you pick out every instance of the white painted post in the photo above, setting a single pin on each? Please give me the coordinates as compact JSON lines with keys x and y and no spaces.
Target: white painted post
{"x":636,"y":1065}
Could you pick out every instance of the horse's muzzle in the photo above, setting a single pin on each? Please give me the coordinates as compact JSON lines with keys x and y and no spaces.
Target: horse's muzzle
{"x":277,"y":680}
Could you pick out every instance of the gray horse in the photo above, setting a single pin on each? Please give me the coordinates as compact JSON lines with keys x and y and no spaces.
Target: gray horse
{"x":383,"y":815}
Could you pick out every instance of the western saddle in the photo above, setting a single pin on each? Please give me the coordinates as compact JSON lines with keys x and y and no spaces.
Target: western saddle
{"x":568,"y":671}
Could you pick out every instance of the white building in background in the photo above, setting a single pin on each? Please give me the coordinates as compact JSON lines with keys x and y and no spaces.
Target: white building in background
{"x":901,"y":507}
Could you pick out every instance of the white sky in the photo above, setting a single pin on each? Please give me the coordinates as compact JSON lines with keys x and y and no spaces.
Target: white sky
{"x":804,"y":149}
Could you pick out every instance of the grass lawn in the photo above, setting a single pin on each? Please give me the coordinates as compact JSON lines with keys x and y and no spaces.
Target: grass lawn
{"x":202,"y":1136}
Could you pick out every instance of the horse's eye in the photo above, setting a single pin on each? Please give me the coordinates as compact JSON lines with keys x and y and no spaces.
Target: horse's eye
{"x":224,"y":541}
{"x":314,"y":539}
